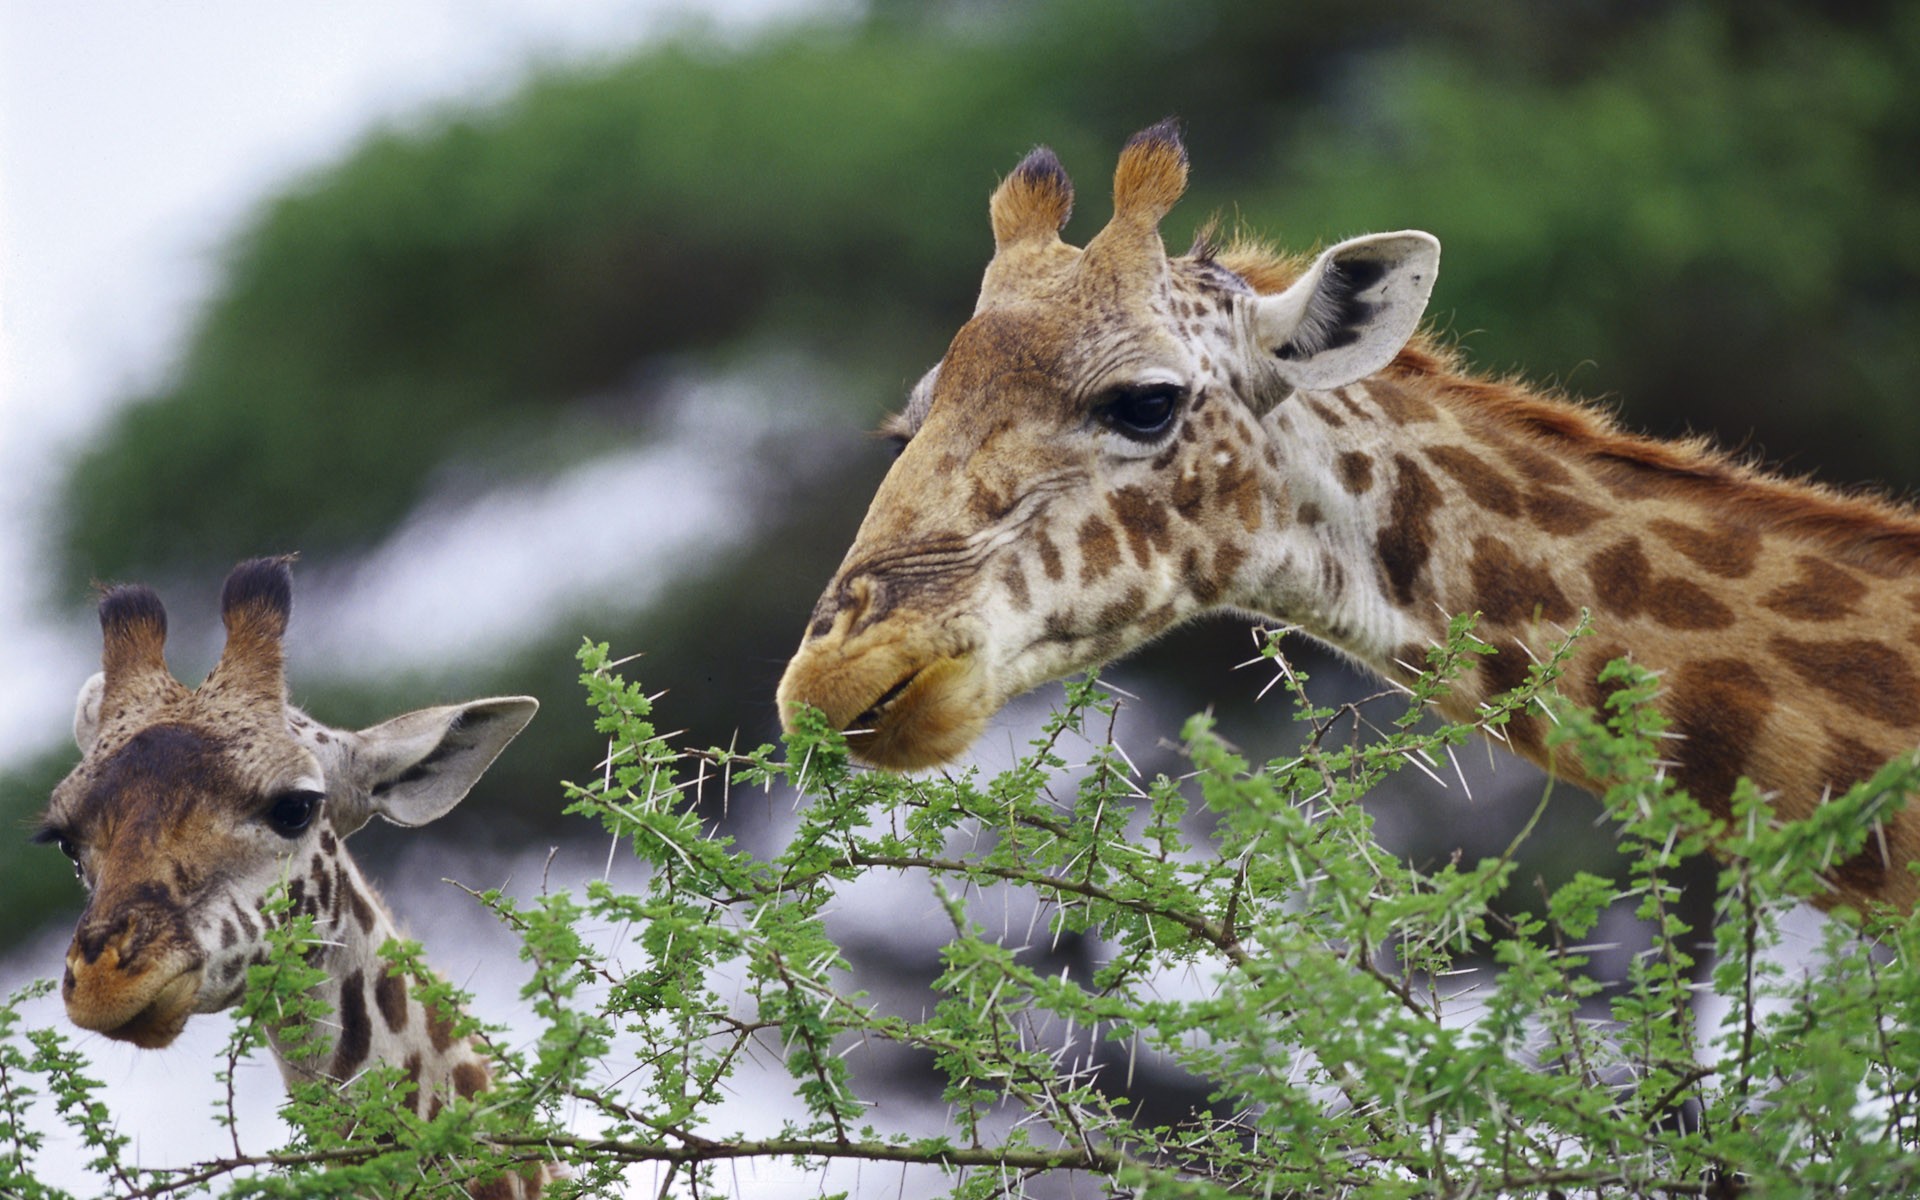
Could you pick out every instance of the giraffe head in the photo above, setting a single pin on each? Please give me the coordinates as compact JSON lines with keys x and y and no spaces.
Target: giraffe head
{"x":1088,"y":464}
{"x":189,"y":805}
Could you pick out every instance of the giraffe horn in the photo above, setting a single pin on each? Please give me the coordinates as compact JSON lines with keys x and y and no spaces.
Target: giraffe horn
{"x":1027,"y":209}
{"x":1031,"y":205}
{"x":255,"y":603}
{"x":1151,"y":176}
{"x":133,"y":631}
{"x":1149,"y":180}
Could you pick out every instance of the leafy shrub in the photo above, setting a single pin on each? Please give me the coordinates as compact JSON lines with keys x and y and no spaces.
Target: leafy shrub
{"x":1344,"y":1041}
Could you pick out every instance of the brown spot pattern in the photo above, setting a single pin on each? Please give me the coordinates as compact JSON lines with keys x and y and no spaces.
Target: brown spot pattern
{"x":362,"y":909}
{"x":390,"y":997}
{"x":1099,"y":551}
{"x":1356,"y":472}
{"x":1014,"y":580}
{"x":1624,"y":583}
{"x":1718,"y":706}
{"x":1227,"y":559}
{"x":1049,"y":556}
{"x":1144,"y":520}
{"x":1236,"y":487}
{"x":1401,"y":406}
{"x":1532,"y":463}
{"x":1324,"y":413}
{"x":1561,"y":514}
{"x":470,"y":1079}
{"x":1484,"y":485}
{"x":1870,"y":677}
{"x":1727,"y":552}
{"x":1119,"y":614}
{"x":1188,"y":493}
{"x":1822,"y":592}
{"x":1403,"y":544}
{"x":1508,"y":592}
{"x":1504,"y":672}
{"x":356,"y":1032}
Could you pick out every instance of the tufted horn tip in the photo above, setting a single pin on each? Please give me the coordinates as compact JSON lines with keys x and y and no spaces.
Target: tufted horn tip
{"x":1032,"y":203}
{"x":133,"y":629}
{"x":257,"y":598}
{"x":1152,"y":174}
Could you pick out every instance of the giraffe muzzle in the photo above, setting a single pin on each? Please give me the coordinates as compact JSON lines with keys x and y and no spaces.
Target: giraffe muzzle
{"x":900,"y":710}
{"x":147,"y":1005}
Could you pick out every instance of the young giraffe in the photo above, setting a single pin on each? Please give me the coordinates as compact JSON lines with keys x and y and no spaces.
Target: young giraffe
{"x":189,"y":805}
{"x":1118,"y":440}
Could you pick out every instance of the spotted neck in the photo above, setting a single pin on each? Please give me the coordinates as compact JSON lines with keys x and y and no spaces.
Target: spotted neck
{"x":380,"y":1021}
{"x":1781,"y":618}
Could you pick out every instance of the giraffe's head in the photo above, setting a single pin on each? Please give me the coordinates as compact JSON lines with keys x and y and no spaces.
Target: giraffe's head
{"x":1088,"y":464}
{"x":189,"y":805}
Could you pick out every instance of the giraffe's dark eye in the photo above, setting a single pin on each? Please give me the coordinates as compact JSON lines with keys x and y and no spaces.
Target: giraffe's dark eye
{"x":292,"y":812}
{"x":1143,"y":412}
{"x":55,"y":837}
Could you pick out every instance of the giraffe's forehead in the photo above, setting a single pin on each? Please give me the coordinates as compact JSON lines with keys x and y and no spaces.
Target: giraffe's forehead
{"x":173,"y":767}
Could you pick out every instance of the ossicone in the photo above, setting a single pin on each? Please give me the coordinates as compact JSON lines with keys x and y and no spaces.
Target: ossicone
{"x":258,"y":597}
{"x":1033,"y":203}
{"x":133,"y":631}
{"x":1151,"y":175}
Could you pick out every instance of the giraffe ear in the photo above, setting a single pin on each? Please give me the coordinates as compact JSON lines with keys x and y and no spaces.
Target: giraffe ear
{"x":416,"y":767}
{"x":86,"y":710}
{"x":1352,"y":310}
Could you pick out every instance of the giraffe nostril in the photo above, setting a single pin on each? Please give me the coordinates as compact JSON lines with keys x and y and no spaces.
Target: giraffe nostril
{"x":852,"y":596}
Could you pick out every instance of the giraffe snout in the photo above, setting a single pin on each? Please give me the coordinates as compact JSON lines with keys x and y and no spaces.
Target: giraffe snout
{"x":117,"y":983}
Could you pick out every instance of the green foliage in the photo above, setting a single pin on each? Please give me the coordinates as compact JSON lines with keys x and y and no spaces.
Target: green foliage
{"x":1701,"y":201}
{"x":1330,"y":1020}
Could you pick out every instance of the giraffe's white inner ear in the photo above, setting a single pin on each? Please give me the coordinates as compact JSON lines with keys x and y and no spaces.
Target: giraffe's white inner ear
{"x":86,"y":710}
{"x":415,"y":768}
{"x":1352,"y":310}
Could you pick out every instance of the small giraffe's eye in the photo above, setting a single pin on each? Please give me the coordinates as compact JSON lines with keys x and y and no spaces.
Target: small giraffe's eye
{"x":292,"y":812}
{"x":66,"y":844}
{"x":1143,"y":412}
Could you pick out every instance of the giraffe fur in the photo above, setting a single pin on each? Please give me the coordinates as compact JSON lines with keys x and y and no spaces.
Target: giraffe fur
{"x":1119,"y":440}
{"x":190,"y":805}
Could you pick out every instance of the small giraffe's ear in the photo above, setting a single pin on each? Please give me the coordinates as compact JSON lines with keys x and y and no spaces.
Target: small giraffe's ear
{"x":415,"y":768}
{"x":1352,"y":310}
{"x":86,"y":710}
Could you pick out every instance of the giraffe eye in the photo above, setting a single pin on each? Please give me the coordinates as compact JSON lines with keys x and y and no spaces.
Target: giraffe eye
{"x":1143,"y":412}
{"x":66,"y":845}
{"x":292,"y":812}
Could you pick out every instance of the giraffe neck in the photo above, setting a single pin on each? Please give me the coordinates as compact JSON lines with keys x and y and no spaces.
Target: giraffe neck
{"x":1782,"y":619}
{"x":380,"y":1021}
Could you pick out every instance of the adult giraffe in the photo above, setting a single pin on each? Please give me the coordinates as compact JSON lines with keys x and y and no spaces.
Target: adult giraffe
{"x":1118,"y":440}
{"x":189,"y":805}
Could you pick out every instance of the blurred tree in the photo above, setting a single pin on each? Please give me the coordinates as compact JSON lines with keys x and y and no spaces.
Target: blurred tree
{"x":1710,"y":210}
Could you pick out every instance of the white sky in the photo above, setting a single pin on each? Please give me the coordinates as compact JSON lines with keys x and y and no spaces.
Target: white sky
{"x":134,"y":137}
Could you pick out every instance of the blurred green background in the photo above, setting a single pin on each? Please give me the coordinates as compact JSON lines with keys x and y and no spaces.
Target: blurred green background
{"x":1707,"y":214}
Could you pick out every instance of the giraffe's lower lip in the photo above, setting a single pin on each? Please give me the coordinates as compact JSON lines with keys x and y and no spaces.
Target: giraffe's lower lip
{"x":165,"y":1014}
{"x":924,"y":719}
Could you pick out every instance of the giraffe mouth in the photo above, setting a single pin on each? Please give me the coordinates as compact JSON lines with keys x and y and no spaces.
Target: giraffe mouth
{"x":861,"y":724}
{"x":148,"y":1016}
{"x":925,"y":718}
